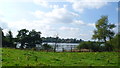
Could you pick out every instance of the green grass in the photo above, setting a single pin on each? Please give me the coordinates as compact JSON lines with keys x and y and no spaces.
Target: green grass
{"x":16,"y":57}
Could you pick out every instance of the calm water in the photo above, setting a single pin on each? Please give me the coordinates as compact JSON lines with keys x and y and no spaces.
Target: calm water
{"x":66,"y":46}
{"x":60,"y":46}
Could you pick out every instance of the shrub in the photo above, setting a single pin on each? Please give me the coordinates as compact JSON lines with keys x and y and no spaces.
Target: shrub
{"x":46,"y":47}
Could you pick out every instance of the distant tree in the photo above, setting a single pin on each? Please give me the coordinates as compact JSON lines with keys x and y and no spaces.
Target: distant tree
{"x":104,"y":30}
{"x":22,"y":37}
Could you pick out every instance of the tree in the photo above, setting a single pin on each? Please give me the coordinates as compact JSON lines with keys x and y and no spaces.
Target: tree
{"x":9,"y":37}
{"x":22,"y":37}
{"x":104,"y":30}
{"x":4,"y":41}
{"x":7,"y":40}
{"x":34,"y":38}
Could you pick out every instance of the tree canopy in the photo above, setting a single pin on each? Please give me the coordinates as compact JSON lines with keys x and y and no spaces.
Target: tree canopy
{"x":103,"y":30}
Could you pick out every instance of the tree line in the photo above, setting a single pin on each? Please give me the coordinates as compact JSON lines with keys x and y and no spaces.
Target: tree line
{"x":24,"y":37}
{"x":61,"y":40}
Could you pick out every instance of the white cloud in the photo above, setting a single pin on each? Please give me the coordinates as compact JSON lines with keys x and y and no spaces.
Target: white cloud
{"x":54,"y":6}
{"x":69,"y":32}
{"x":15,"y":1}
{"x":69,"y":28}
{"x":80,"y":22}
{"x":90,"y":4}
{"x":58,"y":15}
{"x":77,"y":5}
{"x":41,"y":2}
{"x":91,"y":24}
{"x":37,"y":25}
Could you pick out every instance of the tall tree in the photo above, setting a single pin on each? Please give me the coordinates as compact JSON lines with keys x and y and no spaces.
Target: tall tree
{"x":103,"y":30}
{"x":9,"y":37}
{"x":22,"y":37}
{"x":4,"y":41}
{"x":35,"y":38}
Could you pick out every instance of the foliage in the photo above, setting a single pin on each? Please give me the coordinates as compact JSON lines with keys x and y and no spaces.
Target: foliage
{"x":104,"y":30}
{"x":16,"y":57}
{"x":61,"y":40}
{"x":29,"y":37}
{"x":7,"y":41}
{"x":84,"y":45}
{"x":22,"y":37}
{"x":9,"y":36}
{"x":115,"y":42}
{"x":46,"y":47}
{"x":34,"y":38}
{"x":89,"y":45}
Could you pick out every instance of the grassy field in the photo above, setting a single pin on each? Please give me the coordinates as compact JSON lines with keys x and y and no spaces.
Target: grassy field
{"x":16,"y":57}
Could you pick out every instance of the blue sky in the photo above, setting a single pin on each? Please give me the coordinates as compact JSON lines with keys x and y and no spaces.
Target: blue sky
{"x":68,"y":19}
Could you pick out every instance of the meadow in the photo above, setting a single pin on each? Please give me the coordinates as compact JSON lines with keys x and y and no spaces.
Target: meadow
{"x":17,"y":57}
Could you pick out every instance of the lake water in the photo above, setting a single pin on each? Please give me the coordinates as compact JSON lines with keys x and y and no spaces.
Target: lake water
{"x":60,"y":46}
{"x":66,"y":46}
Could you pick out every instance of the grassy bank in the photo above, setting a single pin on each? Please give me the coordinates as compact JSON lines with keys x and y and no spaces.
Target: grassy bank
{"x":16,"y":57}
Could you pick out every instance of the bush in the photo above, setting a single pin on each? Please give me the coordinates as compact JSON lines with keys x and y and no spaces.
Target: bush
{"x":46,"y":47}
{"x":94,"y":46}
{"x":83,"y":45}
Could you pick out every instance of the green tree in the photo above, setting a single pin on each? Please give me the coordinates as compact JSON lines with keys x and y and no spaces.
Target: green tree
{"x":9,"y":37}
{"x":22,"y":37}
{"x":104,"y":30}
{"x":4,"y":41}
{"x":34,"y":38}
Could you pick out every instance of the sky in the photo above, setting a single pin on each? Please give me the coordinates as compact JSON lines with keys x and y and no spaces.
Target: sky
{"x":67,"y":18}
